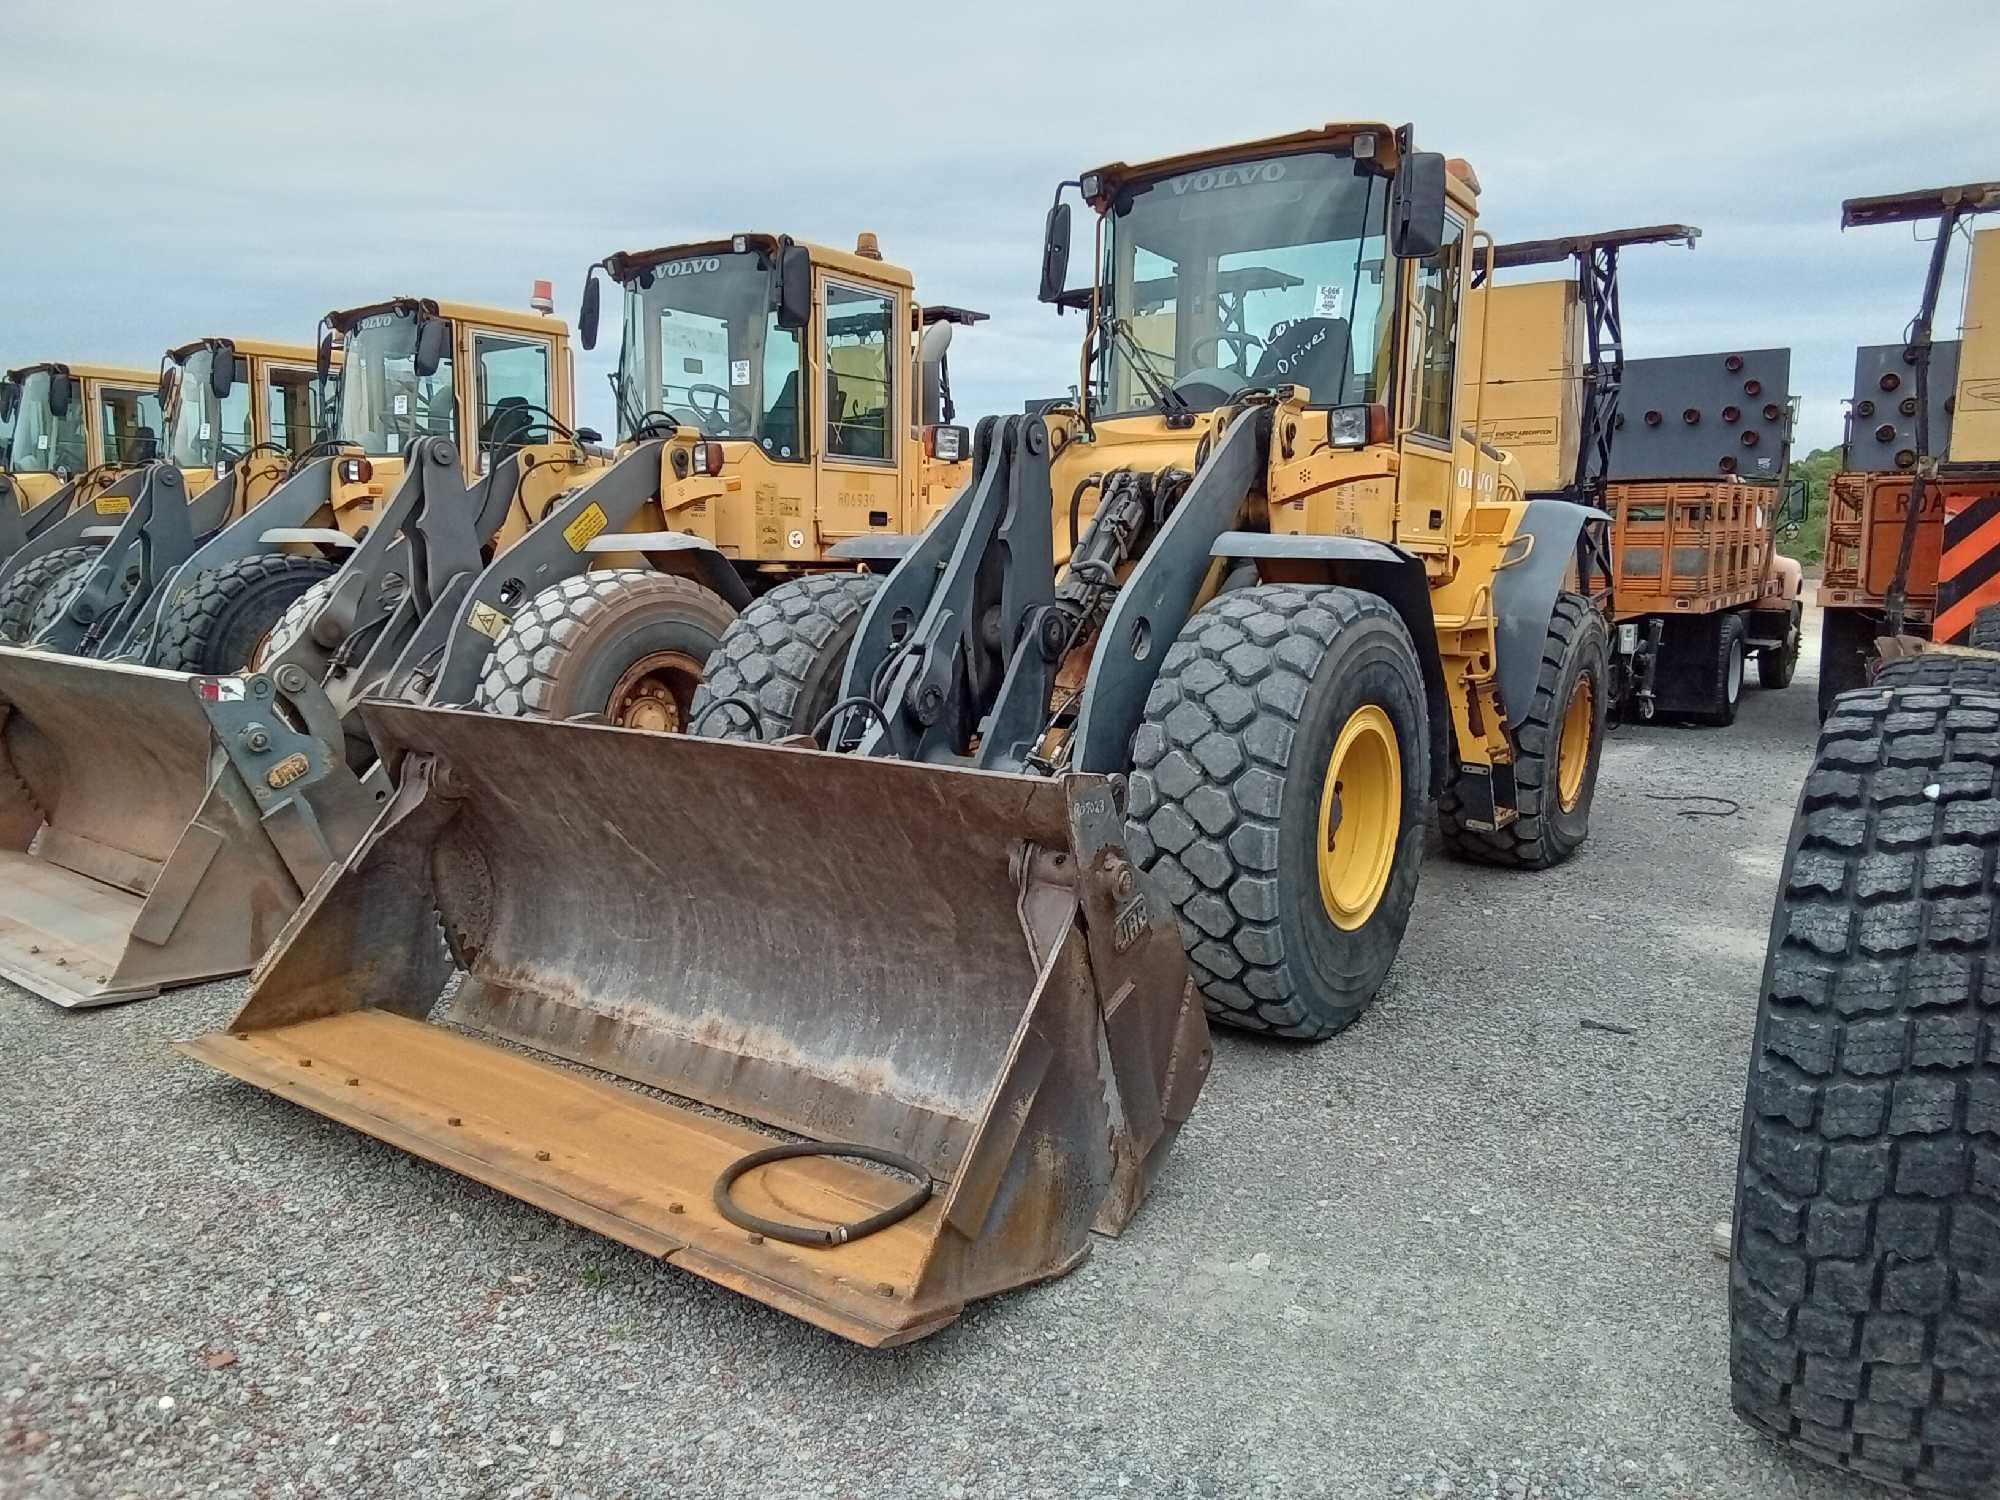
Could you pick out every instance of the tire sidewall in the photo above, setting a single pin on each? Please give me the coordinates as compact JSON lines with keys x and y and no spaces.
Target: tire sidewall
{"x":1588,"y":653}
{"x":1371,"y":663}
{"x":634,"y":624}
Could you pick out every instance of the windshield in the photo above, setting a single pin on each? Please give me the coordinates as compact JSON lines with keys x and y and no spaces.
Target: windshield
{"x":384,"y":403}
{"x":702,"y":348}
{"x":202,"y":431}
{"x":42,"y":444}
{"x":1256,"y":273}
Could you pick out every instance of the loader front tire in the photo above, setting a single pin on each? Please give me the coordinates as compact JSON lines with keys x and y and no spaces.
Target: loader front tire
{"x":219,"y":622}
{"x":292,"y":624}
{"x":786,"y":654}
{"x":1985,"y":632}
{"x":1864,"y":1302}
{"x":1277,"y":797}
{"x":22,"y":594}
{"x":1557,"y":748}
{"x":55,"y":598}
{"x":625,"y":646}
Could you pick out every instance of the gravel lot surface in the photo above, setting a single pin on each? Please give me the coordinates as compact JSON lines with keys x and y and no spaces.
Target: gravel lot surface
{"x":1462,"y":1250}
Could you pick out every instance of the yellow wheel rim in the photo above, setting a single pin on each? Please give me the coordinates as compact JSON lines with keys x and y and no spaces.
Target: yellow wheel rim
{"x":1360,"y":817}
{"x":1573,"y":751}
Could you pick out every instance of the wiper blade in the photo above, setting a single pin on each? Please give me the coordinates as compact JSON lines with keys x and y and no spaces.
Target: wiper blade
{"x":1169,"y":399}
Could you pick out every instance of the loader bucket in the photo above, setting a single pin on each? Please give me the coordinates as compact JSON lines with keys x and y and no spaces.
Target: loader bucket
{"x":957,"y":966}
{"x":132,"y":857}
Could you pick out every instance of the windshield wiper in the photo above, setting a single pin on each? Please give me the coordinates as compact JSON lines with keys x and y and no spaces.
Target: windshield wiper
{"x":1170,"y":400}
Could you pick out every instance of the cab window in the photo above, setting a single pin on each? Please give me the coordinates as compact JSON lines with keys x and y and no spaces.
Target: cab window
{"x":1434,"y":334}
{"x":860,"y":398}
{"x":292,"y":399}
{"x":513,"y":389}
{"x":129,"y":423}
{"x":782,"y":428}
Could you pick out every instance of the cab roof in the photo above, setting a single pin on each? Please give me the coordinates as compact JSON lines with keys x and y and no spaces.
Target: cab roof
{"x":111,"y":374}
{"x":344,"y":318}
{"x":247,"y":349}
{"x":1114,"y":175}
{"x":1924,"y":203}
{"x":847,"y":262}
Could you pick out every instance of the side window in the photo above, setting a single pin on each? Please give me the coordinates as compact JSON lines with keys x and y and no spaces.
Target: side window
{"x":295,"y":418}
{"x":860,"y":400}
{"x":1434,"y":334}
{"x":513,"y":388}
{"x":781,"y":428}
{"x":130,"y":425}
{"x":236,"y":434}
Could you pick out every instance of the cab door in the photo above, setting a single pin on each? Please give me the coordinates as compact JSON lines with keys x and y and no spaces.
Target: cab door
{"x":512,"y":384}
{"x":863,"y":333}
{"x":1427,"y":439}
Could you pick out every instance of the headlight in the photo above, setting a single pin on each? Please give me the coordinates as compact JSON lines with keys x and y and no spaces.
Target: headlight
{"x":1347,"y":427}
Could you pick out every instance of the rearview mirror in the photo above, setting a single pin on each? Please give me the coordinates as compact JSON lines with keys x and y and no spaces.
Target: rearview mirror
{"x":324,"y":365}
{"x":433,"y":346}
{"x":166,"y":388}
{"x":222,"y":369}
{"x":59,"y":394}
{"x":1055,"y":253}
{"x":586,"y":317}
{"x":1792,"y":510}
{"x":795,"y":287}
{"x":1419,"y":211}
{"x":10,"y":402}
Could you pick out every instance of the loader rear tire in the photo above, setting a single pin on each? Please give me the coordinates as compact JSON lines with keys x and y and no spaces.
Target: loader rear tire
{"x":1940,"y":669}
{"x":623,"y":645}
{"x":1234,"y":801}
{"x":1985,"y":632}
{"x":220,"y":620}
{"x":785,"y":653}
{"x":1864,"y":1300}
{"x":23,"y":592}
{"x":1555,"y":777}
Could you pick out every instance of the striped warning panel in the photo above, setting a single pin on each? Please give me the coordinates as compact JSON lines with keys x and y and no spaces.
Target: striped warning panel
{"x":1969,"y":566}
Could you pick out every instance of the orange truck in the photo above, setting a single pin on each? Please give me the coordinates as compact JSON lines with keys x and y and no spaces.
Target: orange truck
{"x":1924,"y":421}
{"x":1686,"y":454}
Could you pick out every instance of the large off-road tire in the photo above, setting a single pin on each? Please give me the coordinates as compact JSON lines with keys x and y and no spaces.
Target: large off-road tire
{"x":1777,"y":665}
{"x":32,"y":581}
{"x":1846,"y":642}
{"x":1723,"y":678}
{"x":1985,"y":632}
{"x":293,"y":623}
{"x":1940,"y":669}
{"x":786,"y":654}
{"x":219,"y":620}
{"x":623,"y":645}
{"x":1282,"y":714}
{"x":1865,"y":1272}
{"x":1557,"y":748}
{"x":56,"y":597}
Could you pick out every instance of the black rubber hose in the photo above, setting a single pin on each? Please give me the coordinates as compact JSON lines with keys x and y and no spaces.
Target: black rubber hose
{"x":735,"y":701}
{"x":859,"y":700}
{"x":805,"y":1234}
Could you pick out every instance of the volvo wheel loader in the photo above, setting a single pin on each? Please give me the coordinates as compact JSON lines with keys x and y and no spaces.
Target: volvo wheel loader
{"x":135,"y":854}
{"x":784,"y":410}
{"x":239,"y":412}
{"x":75,"y":430}
{"x":1251,"y":605}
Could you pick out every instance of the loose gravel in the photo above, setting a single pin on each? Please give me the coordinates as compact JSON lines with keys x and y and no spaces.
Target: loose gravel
{"x":1461,"y":1250}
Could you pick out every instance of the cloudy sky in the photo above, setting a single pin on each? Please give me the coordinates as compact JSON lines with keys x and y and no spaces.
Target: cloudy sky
{"x":250,"y":167}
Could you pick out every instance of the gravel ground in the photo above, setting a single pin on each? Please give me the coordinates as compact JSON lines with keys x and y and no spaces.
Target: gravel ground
{"x":1461,"y":1250}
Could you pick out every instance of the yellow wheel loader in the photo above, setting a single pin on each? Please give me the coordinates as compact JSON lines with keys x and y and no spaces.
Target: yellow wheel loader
{"x":73,"y":430}
{"x":1192,"y":656}
{"x":238,"y":413}
{"x":135,"y":855}
{"x":784,"y":410}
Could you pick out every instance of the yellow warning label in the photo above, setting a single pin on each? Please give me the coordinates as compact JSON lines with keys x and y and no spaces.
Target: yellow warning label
{"x":113,"y":505}
{"x":588,"y":524}
{"x":488,"y":621}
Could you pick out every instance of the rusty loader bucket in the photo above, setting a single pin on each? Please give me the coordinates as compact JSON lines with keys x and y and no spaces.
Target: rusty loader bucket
{"x":139,"y":851}
{"x":777,"y":945}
